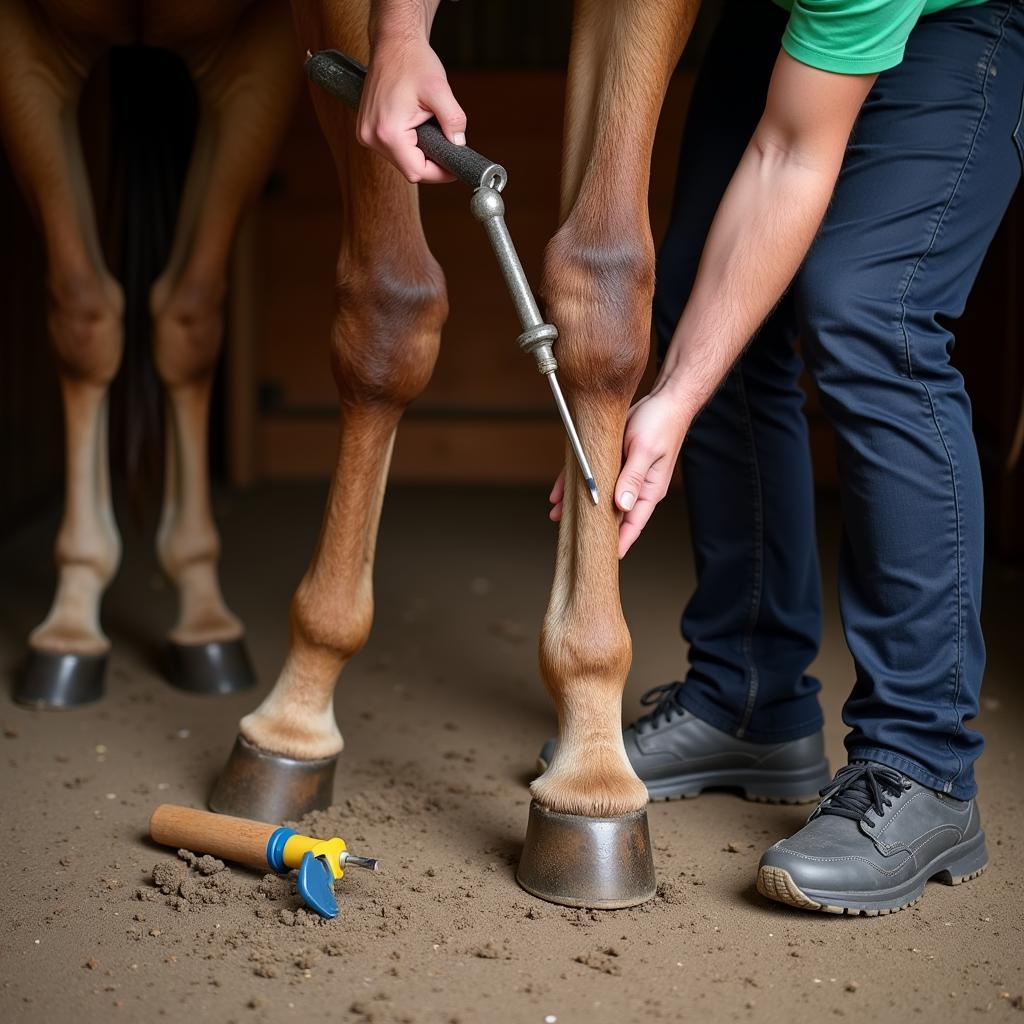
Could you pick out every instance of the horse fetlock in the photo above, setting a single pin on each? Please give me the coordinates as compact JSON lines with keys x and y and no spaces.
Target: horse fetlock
{"x":328,"y":630}
{"x":181,"y":547}
{"x":92,"y":548}
{"x":590,"y":660}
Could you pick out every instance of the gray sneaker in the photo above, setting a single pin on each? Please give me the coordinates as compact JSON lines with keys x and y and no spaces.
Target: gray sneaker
{"x":871,"y":845}
{"x":676,"y":754}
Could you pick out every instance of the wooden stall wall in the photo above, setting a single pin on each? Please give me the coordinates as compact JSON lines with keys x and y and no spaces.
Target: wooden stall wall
{"x":487,"y":416}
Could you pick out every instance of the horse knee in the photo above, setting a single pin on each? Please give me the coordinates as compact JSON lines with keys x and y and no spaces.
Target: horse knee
{"x":386,"y":331}
{"x":189,"y":325}
{"x":598,"y":290}
{"x":85,"y":320}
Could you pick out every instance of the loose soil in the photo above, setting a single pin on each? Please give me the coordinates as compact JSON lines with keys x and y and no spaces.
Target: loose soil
{"x":443,"y":715}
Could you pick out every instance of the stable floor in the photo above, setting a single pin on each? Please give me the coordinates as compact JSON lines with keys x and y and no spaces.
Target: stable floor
{"x":443,"y":714}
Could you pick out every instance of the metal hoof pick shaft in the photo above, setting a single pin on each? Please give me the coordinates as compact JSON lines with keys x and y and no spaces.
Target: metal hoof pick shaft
{"x":537,"y":338}
{"x":343,"y":78}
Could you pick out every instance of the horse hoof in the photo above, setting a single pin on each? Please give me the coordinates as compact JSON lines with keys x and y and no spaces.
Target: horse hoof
{"x":216,"y":668}
{"x":270,"y":787}
{"x":600,"y":863}
{"x":51,"y":679}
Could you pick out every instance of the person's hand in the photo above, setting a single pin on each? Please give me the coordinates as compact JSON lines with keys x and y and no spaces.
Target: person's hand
{"x":654,"y":434}
{"x":405,"y":86}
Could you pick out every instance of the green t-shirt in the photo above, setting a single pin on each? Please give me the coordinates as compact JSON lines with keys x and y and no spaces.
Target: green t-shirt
{"x":855,"y":37}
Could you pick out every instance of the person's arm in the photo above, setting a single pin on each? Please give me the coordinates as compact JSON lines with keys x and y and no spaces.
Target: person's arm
{"x":764,"y":225}
{"x":763,"y":228}
{"x":405,"y":86}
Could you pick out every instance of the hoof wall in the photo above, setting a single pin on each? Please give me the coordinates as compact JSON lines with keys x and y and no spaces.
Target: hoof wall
{"x":216,"y":668}
{"x":54,"y":680}
{"x":269,"y":787}
{"x":576,"y":861}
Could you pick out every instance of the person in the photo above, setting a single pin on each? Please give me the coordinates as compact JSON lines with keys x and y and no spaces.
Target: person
{"x":866,"y":245}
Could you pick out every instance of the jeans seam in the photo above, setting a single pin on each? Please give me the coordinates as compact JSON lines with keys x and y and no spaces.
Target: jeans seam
{"x":958,"y":667}
{"x":957,"y":515}
{"x":757,"y":567}
{"x":952,"y":193}
{"x":1018,"y":132}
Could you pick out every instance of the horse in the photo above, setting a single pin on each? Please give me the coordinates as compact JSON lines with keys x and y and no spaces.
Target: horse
{"x":241,"y":57}
{"x":587,"y":841}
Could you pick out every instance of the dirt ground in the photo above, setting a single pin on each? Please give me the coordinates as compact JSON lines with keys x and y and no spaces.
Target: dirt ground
{"x":443,"y":714}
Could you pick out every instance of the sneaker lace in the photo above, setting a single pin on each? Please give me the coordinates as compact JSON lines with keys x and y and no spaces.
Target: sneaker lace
{"x":860,"y":788}
{"x":665,"y":701}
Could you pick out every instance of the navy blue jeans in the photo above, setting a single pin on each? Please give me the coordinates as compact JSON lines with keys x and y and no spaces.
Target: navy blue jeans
{"x":932,"y":164}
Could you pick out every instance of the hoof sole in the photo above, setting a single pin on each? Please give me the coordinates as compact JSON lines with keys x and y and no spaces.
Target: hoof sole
{"x":576,"y":861}
{"x":54,"y":680}
{"x":216,"y":668}
{"x":269,"y":787}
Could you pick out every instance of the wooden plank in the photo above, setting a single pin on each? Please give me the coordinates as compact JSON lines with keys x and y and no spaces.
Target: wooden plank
{"x":479,"y":365}
{"x":438,"y":450}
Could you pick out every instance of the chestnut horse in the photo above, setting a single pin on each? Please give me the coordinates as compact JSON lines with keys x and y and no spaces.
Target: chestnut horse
{"x":243,"y":60}
{"x":587,"y":840}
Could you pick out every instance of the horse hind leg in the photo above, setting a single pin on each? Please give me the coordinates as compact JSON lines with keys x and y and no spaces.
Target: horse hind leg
{"x":242,"y":119}
{"x":38,"y":102}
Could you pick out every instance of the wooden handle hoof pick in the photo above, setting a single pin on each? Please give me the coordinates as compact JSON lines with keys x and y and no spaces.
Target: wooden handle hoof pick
{"x":320,"y":862}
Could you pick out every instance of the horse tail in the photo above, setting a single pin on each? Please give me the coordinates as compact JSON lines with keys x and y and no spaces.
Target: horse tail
{"x":154,"y":111}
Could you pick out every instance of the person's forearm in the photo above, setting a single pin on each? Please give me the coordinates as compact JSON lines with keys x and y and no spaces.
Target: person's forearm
{"x":761,"y":233}
{"x":406,"y":85}
{"x":401,"y":20}
{"x":765,"y":224}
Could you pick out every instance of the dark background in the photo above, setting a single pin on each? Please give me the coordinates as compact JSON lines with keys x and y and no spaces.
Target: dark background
{"x":486,"y":418}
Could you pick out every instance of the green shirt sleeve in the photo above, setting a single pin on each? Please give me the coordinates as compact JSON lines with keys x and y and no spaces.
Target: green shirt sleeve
{"x":852,"y":37}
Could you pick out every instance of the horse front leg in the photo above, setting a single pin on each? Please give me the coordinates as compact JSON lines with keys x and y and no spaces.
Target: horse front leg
{"x":587,"y":842}
{"x":390,"y":305}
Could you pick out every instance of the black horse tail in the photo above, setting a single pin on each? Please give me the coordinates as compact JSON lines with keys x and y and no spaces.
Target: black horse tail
{"x":154,"y":111}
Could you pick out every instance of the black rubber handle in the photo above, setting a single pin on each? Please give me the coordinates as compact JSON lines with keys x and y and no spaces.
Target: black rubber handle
{"x":343,"y":78}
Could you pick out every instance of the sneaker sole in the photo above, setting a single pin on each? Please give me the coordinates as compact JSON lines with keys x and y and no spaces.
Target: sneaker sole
{"x":763,"y":787}
{"x":952,"y":868}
